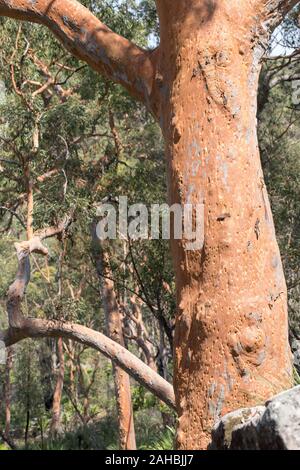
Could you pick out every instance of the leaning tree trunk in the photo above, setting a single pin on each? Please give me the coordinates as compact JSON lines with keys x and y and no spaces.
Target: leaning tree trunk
{"x":231,"y":341}
{"x":121,"y":378}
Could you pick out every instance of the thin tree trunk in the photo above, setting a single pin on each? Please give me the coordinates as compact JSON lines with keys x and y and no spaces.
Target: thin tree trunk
{"x":231,"y":340}
{"x":72,"y":369}
{"x":55,"y":427}
{"x":7,"y":391}
{"x":28,"y":401}
{"x":142,"y":337}
{"x":163,"y":353}
{"x":114,"y":324}
{"x":46,"y":372}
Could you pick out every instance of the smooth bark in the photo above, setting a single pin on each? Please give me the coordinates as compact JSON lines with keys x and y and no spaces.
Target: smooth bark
{"x":137,"y":369}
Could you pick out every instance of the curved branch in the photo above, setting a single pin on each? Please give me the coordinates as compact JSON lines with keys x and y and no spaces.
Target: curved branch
{"x":21,"y":327}
{"x":87,"y":38}
{"x":38,"y":328}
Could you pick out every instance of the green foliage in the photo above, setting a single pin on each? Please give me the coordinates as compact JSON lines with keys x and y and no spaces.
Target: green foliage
{"x":141,"y":399}
{"x":296,"y":377}
{"x":164,"y":441}
{"x":280,"y":146}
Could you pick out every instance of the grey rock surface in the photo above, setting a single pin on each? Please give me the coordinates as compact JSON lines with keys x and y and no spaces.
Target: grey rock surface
{"x":275,"y":426}
{"x":295,"y":347}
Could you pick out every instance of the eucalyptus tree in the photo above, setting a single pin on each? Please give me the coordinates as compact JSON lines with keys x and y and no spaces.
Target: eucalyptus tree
{"x":200,"y":83}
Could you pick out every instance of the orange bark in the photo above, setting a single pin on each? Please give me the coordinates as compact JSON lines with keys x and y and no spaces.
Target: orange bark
{"x":231,"y":341}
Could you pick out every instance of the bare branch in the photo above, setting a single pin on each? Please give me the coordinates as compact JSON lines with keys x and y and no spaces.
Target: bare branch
{"x":8,"y":441}
{"x":276,"y":10}
{"x":61,"y":227}
{"x":87,"y":38}
{"x":14,"y":213}
{"x":37,"y":328}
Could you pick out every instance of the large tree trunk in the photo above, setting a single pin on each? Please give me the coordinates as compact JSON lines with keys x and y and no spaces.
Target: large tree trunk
{"x":231,"y":341}
{"x":114,"y":323}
